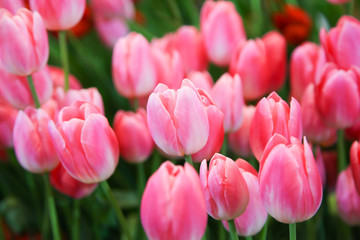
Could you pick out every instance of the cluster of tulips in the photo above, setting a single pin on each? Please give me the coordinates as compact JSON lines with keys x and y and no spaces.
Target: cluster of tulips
{"x":59,"y":129}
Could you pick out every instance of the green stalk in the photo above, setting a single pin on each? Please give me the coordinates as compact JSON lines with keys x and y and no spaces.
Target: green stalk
{"x":156,"y":160}
{"x":221,"y":231}
{"x":64,"y":58}
{"x":33,"y":91}
{"x":188,"y":159}
{"x":141,"y":178}
{"x":224,"y":146}
{"x":248,"y":238}
{"x":264,"y":230}
{"x":52,"y":209}
{"x":76,"y":219}
{"x":292,"y":230}
{"x":232,"y":230}
{"x":341,"y":150}
{"x":120,"y":215}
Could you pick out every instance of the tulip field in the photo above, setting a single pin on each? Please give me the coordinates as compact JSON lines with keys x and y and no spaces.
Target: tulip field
{"x":179,"y":119}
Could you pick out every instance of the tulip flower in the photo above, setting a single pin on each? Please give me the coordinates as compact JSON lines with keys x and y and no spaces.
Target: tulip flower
{"x":114,"y":8}
{"x":134,"y":66}
{"x":348,"y":198}
{"x":12,"y":6}
{"x":227,"y":95}
{"x":32,"y":141}
{"x":135,"y":142}
{"x":341,"y":43}
{"x":273,"y":115}
{"x":59,"y":14}
{"x":355,"y":164}
{"x":85,"y":143}
{"x":177,"y":119}
{"x":110,"y":29}
{"x":24,"y":47}
{"x":173,"y":204}
{"x":225,"y":189}
{"x":58,"y":78}
{"x":7,"y":120}
{"x":222,"y":29}
{"x":201,"y":80}
{"x":64,"y":183}
{"x":290,"y":183}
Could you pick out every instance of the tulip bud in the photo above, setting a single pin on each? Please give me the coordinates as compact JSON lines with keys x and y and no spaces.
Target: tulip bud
{"x":114,"y":8}
{"x":172,"y":200}
{"x":201,"y":80}
{"x":110,"y":29}
{"x":12,"y":5}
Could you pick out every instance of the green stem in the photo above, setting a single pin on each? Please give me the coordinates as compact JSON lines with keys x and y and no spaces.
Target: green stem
{"x":350,"y":7}
{"x":221,"y":231}
{"x":52,"y":209}
{"x":76,"y":219}
{"x":2,"y":236}
{"x":224,"y":146}
{"x":156,"y":160}
{"x":341,"y":150}
{"x":232,"y":230}
{"x":33,"y":91}
{"x":120,"y":215}
{"x":45,"y":221}
{"x":34,"y":194}
{"x":292,"y":230}
{"x":248,"y":238}
{"x":257,"y":16}
{"x":64,"y":58}
{"x":141,"y":178}
{"x":188,"y":159}
{"x":264,"y":230}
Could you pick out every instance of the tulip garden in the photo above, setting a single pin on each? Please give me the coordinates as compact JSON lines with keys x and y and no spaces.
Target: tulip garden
{"x":179,"y":119}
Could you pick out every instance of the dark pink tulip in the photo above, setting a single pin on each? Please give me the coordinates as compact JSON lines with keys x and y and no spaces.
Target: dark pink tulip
{"x":12,"y":5}
{"x":239,"y":140}
{"x":201,"y":80}
{"x":341,"y":43}
{"x":57,"y":76}
{"x":290,"y":183}
{"x":228,"y":96}
{"x":7,"y":120}
{"x":85,"y":143}
{"x":133,"y":66}
{"x":226,"y":192}
{"x":222,"y":29}
{"x":59,"y":14}
{"x":32,"y":141}
{"x":348,"y":198}
{"x":355,"y":164}
{"x":173,"y":204}
{"x":135,"y":142}
{"x":114,"y":8}
{"x":24,"y":47}
{"x":177,"y":119}
{"x":337,"y":96}
{"x":273,"y":115}
{"x":314,"y":127}
{"x":64,"y":183}
{"x":110,"y":29}
{"x":303,"y":68}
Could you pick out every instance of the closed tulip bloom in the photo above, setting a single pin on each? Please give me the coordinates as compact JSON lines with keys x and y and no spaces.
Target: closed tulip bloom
{"x":32,"y":142}
{"x":173,"y":204}
{"x":7,"y":120}
{"x":134,"y":66}
{"x":355,"y":164}
{"x":239,"y":140}
{"x":114,"y":8}
{"x":302,"y":68}
{"x":228,"y":96}
{"x":177,"y":119}
{"x":85,"y":143}
{"x":57,"y":76}
{"x":16,"y":91}
{"x":340,"y":90}
{"x":290,"y":183}
{"x":222,"y":29}
{"x":226,"y":192}
{"x":320,"y":165}
{"x":135,"y":142}
{"x":59,"y":14}
{"x":348,"y":198}
{"x":64,"y":183}
{"x":12,"y":5}
{"x":341,"y":43}
{"x":110,"y":29}
{"x":201,"y":80}
{"x":24,"y":47}
{"x":273,"y":115}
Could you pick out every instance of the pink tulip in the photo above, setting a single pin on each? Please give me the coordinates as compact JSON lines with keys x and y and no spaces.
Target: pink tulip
{"x":222,"y":29}
{"x":12,"y":5}
{"x":85,"y":143}
{"x":24,"y":47}
{"x":341,"y":43}
{"x":165,"y":43}
{"x":320,"y":165}
{"x":114,"y":8}
{"x":7,"y":120}
{"x":290,"y":184}
{"x":201,"y":80}
{"x":173,"y":204}
{"x":273,"y":115}
{"x":314,"y":127}
{"x":340,"y":90}
{"x":226,"y":192}
{"x":254,"y":218}
{"x":64,"y":183}
{"x":239,"y":140}
{"x":32,"y":142}
{"x":57,"y":76}
{"x":216,"y":129}
{"x":347,"y":198}
{"x":135,"y":142}
{"x":355,"y":164}
{"x":303,"y":68}
{"x":110,"y":29}
{"x":16,"y":91}
{"x":134,"y":66}
{"x":59,"y":14}
{"x":261,"y":64}
{"x":177,"y":119}
{"x":227,"y":95}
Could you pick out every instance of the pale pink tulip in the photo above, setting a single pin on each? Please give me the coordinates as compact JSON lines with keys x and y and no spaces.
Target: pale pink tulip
{"x":110,"y":29}
{"x":114,"y":8}
{"x":201,"y":80}
{"x":12,"y":5}
{"x":173,"y":204}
